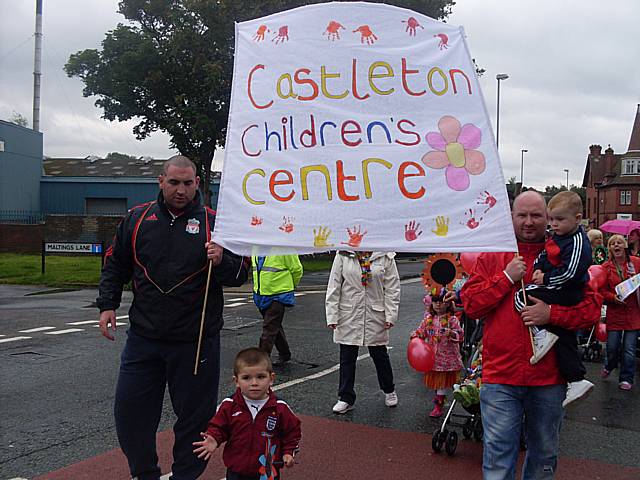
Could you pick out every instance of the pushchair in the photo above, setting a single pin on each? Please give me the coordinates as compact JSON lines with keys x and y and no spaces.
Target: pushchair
{"x":590,"y":348}
{"x":471,"y":422}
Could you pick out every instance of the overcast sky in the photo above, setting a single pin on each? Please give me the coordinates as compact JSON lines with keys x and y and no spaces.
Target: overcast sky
{"x":573,"y":66}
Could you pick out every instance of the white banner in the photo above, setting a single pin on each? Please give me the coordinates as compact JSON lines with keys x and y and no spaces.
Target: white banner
{"x":358,"y":126}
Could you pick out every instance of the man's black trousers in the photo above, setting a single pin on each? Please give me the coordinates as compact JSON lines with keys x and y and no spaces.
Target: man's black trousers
{"x":146,"y":367}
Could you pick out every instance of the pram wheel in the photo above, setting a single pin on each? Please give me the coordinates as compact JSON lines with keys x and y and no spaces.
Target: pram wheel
{"x":438,"y":439}
{"x":478,"y":431}
{"x":467,"y":429}
{"x":451,"y":443}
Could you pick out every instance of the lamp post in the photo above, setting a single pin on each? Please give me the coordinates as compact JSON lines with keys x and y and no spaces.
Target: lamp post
{"x":522,"y":152}
{"x":500,"y":76}
{"x":566,"y":170}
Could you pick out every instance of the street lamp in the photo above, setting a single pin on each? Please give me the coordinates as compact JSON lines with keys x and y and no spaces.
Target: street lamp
{"x":500,"y":76}
{"x":522,"y":152}
{"x":566,"y":170}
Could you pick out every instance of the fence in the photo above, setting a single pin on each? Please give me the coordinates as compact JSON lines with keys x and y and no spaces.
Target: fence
{"x":24,"y":217}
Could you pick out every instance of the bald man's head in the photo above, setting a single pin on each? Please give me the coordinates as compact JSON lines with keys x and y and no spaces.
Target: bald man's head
{"x":179,"y":161}
{"x":529,"y":215}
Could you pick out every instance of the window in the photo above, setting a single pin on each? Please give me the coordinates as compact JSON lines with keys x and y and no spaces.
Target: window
{"x":631,"y":166}
{"x":625,"y":197}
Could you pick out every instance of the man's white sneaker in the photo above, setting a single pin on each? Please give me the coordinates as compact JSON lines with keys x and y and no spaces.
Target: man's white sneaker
{"x":342,"y":407}
{"x":391,"y":399}
{"x":543,"y":340}
{"x":577,"y":391}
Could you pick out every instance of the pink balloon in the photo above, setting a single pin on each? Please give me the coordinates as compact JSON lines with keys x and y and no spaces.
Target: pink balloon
{"x":468,"y":260}
{"x":597,"y":276}
{"x":601,"y":332}
{"x":421,"y":355}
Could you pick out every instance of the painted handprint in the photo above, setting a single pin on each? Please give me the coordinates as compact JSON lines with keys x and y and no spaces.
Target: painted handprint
{"x":470,"y":219}
{"x":259,"y":36}
{"x":366,"y":34}
{"x":487,"y":199}
{"x":282,"y":35}
{"x":287,"y":224}
{"x":333,"y":30}
{"x":355,"y":236}
{"x":321,"y":237}
{"x":256,"y":220}
{"x":411,"y":232}
{"x":442,"y":226}
{"x":443,"y":44}
{"x":412,"y":24}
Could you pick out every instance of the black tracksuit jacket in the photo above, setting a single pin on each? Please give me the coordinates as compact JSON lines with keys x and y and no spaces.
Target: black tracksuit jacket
{"x":166,"y":259}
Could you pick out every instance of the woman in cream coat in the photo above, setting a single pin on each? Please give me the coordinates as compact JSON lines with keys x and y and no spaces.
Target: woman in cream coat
{"x":362,"y":302}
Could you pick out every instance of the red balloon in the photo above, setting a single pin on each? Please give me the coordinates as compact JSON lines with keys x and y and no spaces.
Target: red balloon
{"x":421,"y":355}
{"x":468,"y":260}
{"x":597,"y":276}
{"x":601,"y":332}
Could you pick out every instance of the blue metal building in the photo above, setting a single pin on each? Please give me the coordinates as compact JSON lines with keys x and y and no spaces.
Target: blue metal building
{"x":20,"y":170}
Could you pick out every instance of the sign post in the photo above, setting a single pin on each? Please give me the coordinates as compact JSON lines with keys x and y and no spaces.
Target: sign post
{"x":71,"y":248}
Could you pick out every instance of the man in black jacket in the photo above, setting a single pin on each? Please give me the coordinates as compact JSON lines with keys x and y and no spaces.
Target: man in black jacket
{"x":163,"y":247}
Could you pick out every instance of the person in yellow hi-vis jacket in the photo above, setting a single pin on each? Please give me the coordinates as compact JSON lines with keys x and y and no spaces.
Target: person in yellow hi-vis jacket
{"x":275,"y":278}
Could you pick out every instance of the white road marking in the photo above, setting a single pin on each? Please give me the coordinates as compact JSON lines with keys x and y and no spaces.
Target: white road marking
{"x":37,"y":329}
{"x":62,"y":332}
{"x":237,"y":304}
{"x":299,"y":294}
{"x":85,"y":322}
{"x":122,"y":317}
{"x":118,"y":324}
{"x":237,"y":299}
{"x":13,"y":339}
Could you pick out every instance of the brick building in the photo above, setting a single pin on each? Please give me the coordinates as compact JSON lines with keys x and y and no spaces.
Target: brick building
{"x":612,"y":181}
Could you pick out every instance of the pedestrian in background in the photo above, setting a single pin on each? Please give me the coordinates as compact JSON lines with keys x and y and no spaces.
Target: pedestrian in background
{"x":164,"y":248}
{"x":275,"y":277}
{"x":363,"y":295}
{"x":623,"y":316}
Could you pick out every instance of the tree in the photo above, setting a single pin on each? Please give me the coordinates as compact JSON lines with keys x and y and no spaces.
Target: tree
{"x":550,"y":191}
{"x":117,"y":156}
{"x":19,"y":119}
{"x":171,"y":67}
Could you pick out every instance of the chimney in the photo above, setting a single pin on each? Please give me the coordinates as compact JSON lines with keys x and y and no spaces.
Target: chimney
{"x":634,"y":142}
{"x":595,"y":150}
{"x":608,"y":161}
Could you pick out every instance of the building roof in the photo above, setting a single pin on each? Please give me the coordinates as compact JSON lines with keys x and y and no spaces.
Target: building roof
{"x":93,"y":166}
{"x":634,"y":141}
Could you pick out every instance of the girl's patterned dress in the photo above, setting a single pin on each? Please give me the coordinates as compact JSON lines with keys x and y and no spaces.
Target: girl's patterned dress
{"x":445,"y":334}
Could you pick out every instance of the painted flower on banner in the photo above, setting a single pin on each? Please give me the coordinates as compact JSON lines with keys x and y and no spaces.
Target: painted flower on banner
{"x":455,"y":149}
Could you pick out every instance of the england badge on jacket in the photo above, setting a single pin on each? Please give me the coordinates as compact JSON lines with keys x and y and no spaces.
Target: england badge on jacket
{"x":271,"y":423}
{"x":193,"y":226}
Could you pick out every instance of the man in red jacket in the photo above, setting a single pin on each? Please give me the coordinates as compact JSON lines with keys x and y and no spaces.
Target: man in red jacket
{"x":511,"y":385}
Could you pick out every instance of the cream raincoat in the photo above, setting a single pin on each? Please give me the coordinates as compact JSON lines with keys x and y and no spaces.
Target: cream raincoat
{"x":360,"y":313}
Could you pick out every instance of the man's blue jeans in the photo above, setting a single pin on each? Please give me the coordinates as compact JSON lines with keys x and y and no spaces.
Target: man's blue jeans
{"x":627,"y":339}
{"x":502,"y":409}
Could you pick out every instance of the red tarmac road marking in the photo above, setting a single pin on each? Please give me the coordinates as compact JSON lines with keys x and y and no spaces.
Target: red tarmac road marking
{"x":333,"y":449}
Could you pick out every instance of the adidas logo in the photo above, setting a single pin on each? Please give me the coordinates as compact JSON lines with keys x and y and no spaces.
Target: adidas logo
{"x":151,"y":217}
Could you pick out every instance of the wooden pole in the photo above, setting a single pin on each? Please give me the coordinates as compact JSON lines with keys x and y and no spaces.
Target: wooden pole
{"x":524,"y":297}
{"x":204,"y":310}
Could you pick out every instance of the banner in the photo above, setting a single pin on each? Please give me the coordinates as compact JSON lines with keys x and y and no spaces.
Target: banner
{"x":358,"y":126}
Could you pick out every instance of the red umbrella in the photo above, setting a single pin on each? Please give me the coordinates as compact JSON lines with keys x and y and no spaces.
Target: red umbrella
{"x":623,"y":227}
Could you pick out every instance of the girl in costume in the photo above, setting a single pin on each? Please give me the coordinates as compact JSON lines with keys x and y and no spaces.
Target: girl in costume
{"x":441,"y":329}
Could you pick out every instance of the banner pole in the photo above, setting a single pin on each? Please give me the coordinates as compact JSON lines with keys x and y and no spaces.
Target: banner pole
{"x":204,"y":310}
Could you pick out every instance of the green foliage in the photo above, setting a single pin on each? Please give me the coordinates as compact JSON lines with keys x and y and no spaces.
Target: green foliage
{"x":550,"y":191}
{"x":19,"y":119}
{"x":170,"y":67}
{"x":119,"y":156}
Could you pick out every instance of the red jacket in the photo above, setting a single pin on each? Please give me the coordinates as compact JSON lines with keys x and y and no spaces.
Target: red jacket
{"x":506,"y":343}
{"x":247,"y":438}
{"x":620,"y":317}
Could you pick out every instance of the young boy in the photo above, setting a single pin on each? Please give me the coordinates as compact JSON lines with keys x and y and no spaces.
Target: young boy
{"x":261,"y":431}
{"x":560,"y":272}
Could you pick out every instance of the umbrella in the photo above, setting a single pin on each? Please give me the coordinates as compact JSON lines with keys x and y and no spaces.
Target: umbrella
{"x":623,"y":227}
